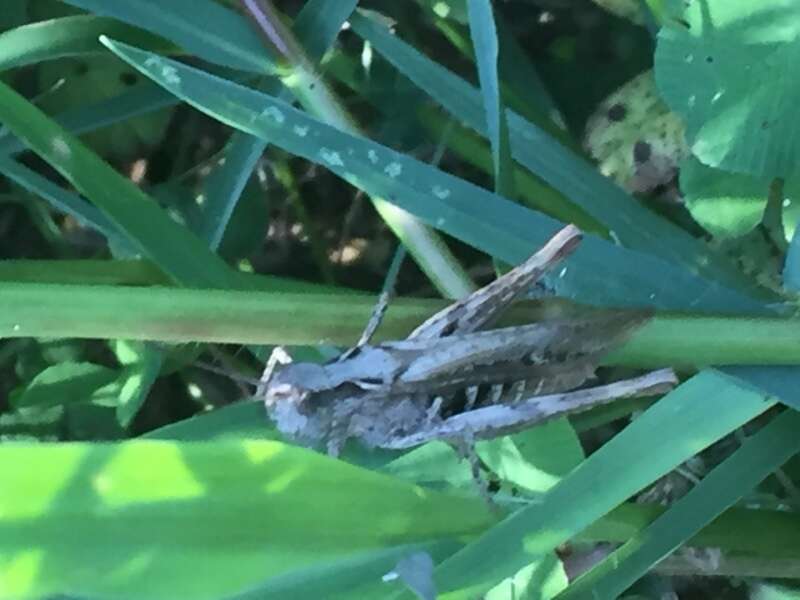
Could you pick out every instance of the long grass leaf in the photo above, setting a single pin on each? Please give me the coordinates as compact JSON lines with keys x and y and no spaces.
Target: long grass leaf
{"x":146,"y":226}
{"x":600,"y":271}
{"x":633,"y":224}
{"x":759,"y":456}
{"x":681,"y":424}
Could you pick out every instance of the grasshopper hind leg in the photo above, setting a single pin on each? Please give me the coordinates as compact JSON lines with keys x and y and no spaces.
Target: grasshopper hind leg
{"x":465,"y":447}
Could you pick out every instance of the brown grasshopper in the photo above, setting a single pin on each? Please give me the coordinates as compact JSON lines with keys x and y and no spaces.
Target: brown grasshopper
{"x":448,"y":380}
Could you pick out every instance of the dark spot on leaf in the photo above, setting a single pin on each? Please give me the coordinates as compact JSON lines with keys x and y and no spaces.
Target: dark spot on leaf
{"x":81,"y":69}
{"x":764,"y":124}
{"x":641,"y":152}
{"x":709,"y":59}
{"x":617,"y":112}
{"x":128,"y":79}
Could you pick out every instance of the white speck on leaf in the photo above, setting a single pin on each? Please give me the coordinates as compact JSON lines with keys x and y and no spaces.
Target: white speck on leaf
{"x":373,"y":157}
{"x":614,"y":237}
{"x":274,"y":113}
{"x":60,"y":146}
{"x":787,"y":202}
{"x":440,"y":192}
{"x":331,"y":157}
{"x":562,"y":273}
{"x":300,"y":130}
{"x":440,"y":222}
{"x":393,"y":169}
{"x":170,"y":75}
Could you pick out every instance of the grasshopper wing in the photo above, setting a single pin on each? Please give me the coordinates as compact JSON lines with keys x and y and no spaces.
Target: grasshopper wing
{"x":483,"y":306}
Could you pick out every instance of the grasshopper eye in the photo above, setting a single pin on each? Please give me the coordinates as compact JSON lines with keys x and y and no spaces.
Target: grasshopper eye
{"x":282,"y":393}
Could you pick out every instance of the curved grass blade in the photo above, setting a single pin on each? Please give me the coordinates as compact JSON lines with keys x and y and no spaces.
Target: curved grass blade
{"x":185,"y":22}
{"x":147,"y":228}
{"x":139,"y":100}
{"x":600,"y":271}
{"x":681,"y":424}
{"x":484,"y":39}
{"x":229,"y":42}
{"x":632,"y":223}
{"x":758,"y":456}
{"x":68,"y":36}
{"x":65,"y":202}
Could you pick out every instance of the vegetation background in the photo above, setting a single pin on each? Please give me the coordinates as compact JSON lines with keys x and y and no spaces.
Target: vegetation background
{"x":186,"y":184}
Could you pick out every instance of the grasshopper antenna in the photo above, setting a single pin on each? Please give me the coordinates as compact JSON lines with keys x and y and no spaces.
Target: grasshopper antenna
{"x":389,"y":284}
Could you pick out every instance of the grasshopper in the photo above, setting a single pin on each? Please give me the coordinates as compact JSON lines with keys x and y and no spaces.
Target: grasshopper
{"x":448,"y":379}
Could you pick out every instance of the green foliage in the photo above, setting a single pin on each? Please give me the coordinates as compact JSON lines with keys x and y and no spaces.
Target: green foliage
{"x":209,"y":193}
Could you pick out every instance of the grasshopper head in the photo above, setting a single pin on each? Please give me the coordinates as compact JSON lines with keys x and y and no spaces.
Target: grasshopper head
{"x":286,"y":400}
{"x":295,"y":382}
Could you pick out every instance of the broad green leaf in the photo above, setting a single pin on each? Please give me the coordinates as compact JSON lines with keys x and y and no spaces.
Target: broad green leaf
{"x":143,"y":365}
{"x":146,"y":226}
{"x":535,"y":459}
{"x":758,"y":456}
{"x":633,"y":224}
{"x":161,"y":519}
{"x":92,"y":79}
{"x":63,"y":383}
{"x":599,"y":271}
{"x":730,"y":71}
{"x":681,"y":424}
{"x":725,"y":204}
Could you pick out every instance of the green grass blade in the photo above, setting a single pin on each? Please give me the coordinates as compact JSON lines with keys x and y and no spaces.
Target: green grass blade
{"x":226,"y":43}
{"x":139,"y":100}
{"x":152,"y":515}
{"x":185,"y":23}
{"x":633,"y":224}
{"x":318,"y":24}
{"x":316,"y":27}
{"x":69,"y":36}
{"x":65,"y":202}
{"x":681,"y":424}
{"x":63,"y":383}
{"x":758,"y":456}
{"x":148,"y":228}
{"x":225,"y":184}
{"x":736,"y":530}
{"x":600,"y":271}
{"x":302,"y":314}
{"x":484,"y":39}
